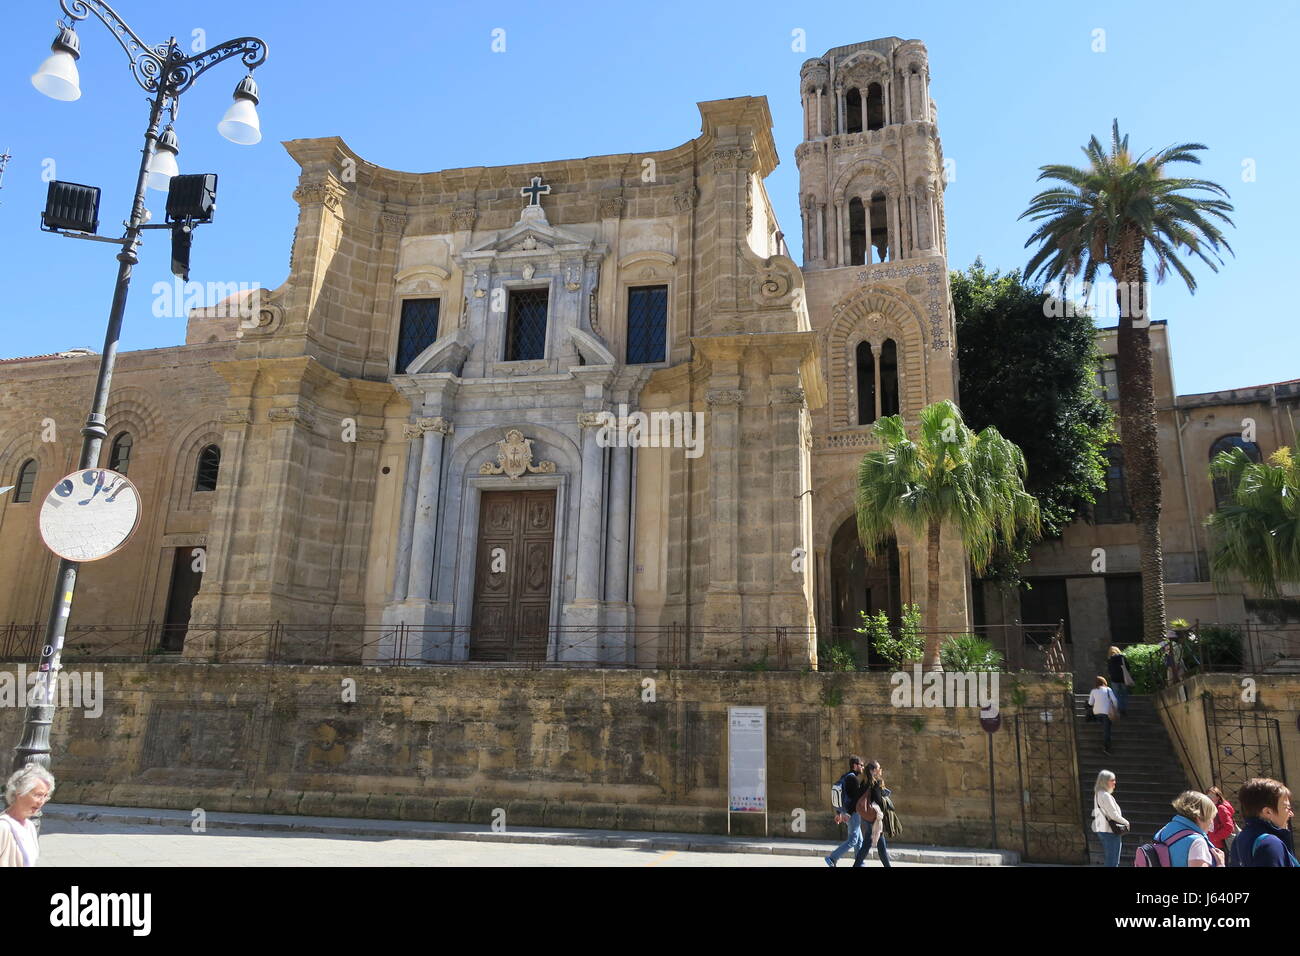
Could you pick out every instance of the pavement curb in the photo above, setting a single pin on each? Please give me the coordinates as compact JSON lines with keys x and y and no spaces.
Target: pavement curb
{"x":681,"y":842}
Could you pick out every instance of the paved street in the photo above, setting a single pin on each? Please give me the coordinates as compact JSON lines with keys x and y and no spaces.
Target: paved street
{"x":82,"y":843}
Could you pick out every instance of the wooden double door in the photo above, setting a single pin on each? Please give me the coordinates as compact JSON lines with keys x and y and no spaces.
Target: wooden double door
{"x":512,"y":576}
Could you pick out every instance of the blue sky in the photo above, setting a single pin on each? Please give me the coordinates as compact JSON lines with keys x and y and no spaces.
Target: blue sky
{"x":417,"y":87}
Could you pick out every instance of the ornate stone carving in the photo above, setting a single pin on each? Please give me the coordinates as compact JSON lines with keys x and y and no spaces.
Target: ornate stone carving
{"x":611,"y":207}
{"x":731,"y":157}
{"x":724,"y":396}
{"x":572,"y":277}
{"x":392,"y":223}
{"x":685,"y":199}
{"x":515,"y":458}
{"x":514,"y":369}
{"x":592,"y":420}
{"x":325,"y":192}
{"x":462,"y":218}
{"x":790,"y":395}
{"x":931,"y":273}
{"x":440,"y":425}
{"x":530,"y":270}
{"x":774,"y":284}
{"x":372,"y":434}
{"x":593,"y":308}
{"x":412,"y":431}
{"x":294,"y":413}
{"x":239,"y":416}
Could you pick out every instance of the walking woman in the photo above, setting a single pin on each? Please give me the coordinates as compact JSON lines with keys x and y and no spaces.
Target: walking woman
{"x":1107,"y":821}
{"x":871,"y":810}
{"x":1104,"y":708}
{"x":1120,"y":678}
{"x":25,"y":793}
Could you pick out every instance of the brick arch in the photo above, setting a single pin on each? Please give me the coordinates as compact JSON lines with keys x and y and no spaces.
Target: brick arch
{"x":25,"y":445}
{"x":183,"y":454}
{"x":874,"y":314}
{"x":879,"y":171}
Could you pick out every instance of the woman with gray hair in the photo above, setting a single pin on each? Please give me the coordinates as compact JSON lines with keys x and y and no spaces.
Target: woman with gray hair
{"x":1107,"y":822}
{"x":25,"y":793}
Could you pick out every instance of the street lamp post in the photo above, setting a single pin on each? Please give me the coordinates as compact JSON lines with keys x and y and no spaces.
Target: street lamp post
{"x":166,"y":72}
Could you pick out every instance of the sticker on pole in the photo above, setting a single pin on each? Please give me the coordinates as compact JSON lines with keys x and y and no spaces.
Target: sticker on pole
{"x":90,"y":514}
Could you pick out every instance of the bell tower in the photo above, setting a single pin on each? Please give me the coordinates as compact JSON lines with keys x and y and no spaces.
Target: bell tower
{"x":870,"y":164}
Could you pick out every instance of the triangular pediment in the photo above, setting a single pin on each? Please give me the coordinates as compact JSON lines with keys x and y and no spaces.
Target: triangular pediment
{"x":531,"y":235}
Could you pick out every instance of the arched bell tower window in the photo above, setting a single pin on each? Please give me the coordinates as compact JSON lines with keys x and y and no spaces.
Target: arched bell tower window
{"x":879,"y":227}
{"x":875,"y":107}
{"x":857,"y":233}
{"x":889,"y":378}
{"x":866,"y":384}
{"x":853,"y":111}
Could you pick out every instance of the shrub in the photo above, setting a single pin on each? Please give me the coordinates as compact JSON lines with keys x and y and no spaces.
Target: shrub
{"x":896,"y":648}
{"x":968,"y":652}
{"x":1146,"y":662}
{"x":842,"y":658}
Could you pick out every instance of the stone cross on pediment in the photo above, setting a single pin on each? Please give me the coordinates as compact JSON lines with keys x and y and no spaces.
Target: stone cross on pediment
{"x":535,"y":192}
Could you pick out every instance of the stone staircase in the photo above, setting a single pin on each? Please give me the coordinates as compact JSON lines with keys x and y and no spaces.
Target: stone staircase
{"x":1148,"y":772}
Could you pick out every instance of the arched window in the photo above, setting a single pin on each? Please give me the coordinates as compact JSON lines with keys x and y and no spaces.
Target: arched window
{"x":866,"y":384}
{"x":879,"y":227}
{"x":1223,"y":491}
{"x":857,"y":233}
{"x":205,"y":477}
{"x":853,"y":111}
{"x":119,"y":459}
{"x":889,"y":378}
{"x":875,"y":107}
{"x":26,"y":480}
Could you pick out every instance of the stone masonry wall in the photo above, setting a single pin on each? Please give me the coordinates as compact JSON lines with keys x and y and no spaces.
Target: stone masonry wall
{"x":553,"y":748}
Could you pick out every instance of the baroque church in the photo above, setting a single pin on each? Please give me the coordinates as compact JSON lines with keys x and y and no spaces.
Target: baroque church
{"x":404,"y":452}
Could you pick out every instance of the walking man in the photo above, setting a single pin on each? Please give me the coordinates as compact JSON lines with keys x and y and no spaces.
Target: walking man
{"x":851,"y":786}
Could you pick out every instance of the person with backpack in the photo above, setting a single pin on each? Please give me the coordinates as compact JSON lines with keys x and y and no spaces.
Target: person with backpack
{"x":1105,"y":707}
{"x":1120,"y":678}
{"x":1224,"y":827}
{"x":1265,"y":838}
{"x":1107,"y":820}
{"x":1184,"y":840}
{"x":876,"y":810}
{"x":844,"y":800}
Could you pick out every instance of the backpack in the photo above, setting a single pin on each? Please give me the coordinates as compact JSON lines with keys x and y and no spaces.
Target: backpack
{"x":1156,"y":853}
{"x":1234,"y":860}
{"x":837,"y":795}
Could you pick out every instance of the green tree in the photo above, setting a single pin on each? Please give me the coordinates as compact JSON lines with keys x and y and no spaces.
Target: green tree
{"x":1256,"y":534}
{"x":1033,"y":379}
{"x":1117,"y":211}
{"x":948,"y":475}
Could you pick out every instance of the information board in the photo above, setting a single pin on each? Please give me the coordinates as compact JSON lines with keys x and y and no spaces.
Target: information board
{"x":747,"y":759}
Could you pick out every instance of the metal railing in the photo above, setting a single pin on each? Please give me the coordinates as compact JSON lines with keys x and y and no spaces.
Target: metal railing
{"x":670,"y":646}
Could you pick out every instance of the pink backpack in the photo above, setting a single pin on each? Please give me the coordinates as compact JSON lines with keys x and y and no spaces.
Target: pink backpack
{"x":1156,"y":853}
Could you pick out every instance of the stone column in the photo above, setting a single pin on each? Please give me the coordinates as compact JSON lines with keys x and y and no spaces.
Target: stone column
{"x":620,"y":504}
{"x":591,"y":511}
{"x":907,"y":97}
{"x":821,"y":232}
{"x":410,"y":488}
{"x":839,"y":109}
{"x":424,"y":531}
{"x":876,"y":349}
{"x":891,"y":226}
{"x":821,"y":96}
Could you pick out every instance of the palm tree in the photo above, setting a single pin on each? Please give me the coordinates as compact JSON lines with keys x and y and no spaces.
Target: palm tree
{"x":948,"y":476}
{"x":1257,"y":532}
{"x":1118,"y":211}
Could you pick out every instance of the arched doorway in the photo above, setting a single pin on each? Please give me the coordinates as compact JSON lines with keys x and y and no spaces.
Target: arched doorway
{"x":858,"y":585}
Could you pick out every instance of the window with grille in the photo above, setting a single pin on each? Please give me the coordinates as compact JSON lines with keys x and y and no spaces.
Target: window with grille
{"x":26,"y":481}
{"x":119,"y":459}
{"x":647,"y":324}
{"x":1112,"y":504}
{"x":1107,"y":379}
{"x":1223,"y":490}
{"x":526,"y":325}
{"x":205,"y":478}
{"x":418,"y":330}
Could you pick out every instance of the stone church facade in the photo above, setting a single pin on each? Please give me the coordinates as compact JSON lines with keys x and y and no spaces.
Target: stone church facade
{"x":425,"y":445}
